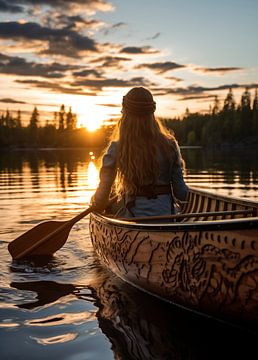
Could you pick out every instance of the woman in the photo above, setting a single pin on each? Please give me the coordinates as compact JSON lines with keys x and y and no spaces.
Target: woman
{"x":144,"y":159}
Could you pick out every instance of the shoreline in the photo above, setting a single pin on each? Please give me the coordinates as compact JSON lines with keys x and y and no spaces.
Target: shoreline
{"x":224,"y":146}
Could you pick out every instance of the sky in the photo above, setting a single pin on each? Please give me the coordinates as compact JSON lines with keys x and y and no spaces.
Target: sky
{"x":88,"y":53}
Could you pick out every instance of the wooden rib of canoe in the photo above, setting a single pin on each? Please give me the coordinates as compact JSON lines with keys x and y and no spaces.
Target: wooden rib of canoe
{"x":204,"y":259}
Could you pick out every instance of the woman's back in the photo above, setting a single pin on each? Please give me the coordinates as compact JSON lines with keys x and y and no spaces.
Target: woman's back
{"x":145,"y":158}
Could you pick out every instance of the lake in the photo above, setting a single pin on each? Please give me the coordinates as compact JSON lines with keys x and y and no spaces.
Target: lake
{"x":71,"y":307}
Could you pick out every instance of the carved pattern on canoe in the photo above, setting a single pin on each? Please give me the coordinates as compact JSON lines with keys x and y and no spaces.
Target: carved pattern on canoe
{"x":213,"y":272}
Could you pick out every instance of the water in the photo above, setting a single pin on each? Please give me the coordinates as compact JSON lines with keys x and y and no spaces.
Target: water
{"x":70,"y":307}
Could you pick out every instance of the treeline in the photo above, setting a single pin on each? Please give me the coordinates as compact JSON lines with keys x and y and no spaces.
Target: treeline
{"x":61,"y":132}
{"x":225,"y":124}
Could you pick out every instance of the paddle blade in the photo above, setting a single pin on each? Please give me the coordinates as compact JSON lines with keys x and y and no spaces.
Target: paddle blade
{"x":43,"y":239}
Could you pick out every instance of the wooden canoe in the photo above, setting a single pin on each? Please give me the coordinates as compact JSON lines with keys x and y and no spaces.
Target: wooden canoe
{"x":206,"y":260}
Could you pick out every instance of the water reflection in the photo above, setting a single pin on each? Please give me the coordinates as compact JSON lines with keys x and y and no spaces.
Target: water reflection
{"x":60,"y":339}
{"x":43,"y":185}
{"x":47,"y":292}
{"x":60,"y":166}
{"x":93,"y":175}
{"x":233,"y":173}
{"x":138,"y":325}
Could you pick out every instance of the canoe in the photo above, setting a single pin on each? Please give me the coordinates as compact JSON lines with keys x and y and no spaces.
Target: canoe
{"x":204,"y":259}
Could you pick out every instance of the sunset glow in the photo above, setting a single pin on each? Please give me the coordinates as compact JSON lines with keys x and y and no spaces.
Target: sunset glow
{"x":93,"y":176}
{"x":88,"y":118}
{"x":87,"y":56}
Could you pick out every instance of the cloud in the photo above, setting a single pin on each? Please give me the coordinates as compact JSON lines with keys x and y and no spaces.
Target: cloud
{"x":89,"y":6}
{"x":220,"y":70}
{"x":118,"y":25}
{"x":110,"y":105}
{"x":114,"y":27}
{"x":6,"y":7}
{"x":110,"y":61}
{"x":87,"y":87}
{"x":197,"y":90}
{"x":62,"y":41}
{"x":138,"y":50}
{"x":196,"y":97}
{"x":12,"y":101}
{"x":87,"y":72}
{"x":154,"y":36}
{"x":18,"y":66}
{"x":99,"y":84}
{"x":160,"y":67}
{"x":76,"y":22}
{"x":56,"y":88}
{"x":173,"y":78}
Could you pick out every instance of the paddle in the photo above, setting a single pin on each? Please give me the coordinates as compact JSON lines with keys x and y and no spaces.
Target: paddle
{"x":44,"y":239}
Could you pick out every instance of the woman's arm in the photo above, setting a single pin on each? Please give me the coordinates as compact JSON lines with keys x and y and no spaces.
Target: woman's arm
{"x":107,"y":176}
{"x":180,"y":189}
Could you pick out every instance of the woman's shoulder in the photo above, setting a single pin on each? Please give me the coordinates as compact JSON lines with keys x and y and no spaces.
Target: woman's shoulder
{"x":112,"y":148}
{"x":169,"y":144}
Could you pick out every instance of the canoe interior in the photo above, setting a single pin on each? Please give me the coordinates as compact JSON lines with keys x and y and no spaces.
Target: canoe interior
{"x":204,"y":202}
{"x":204,"y":206}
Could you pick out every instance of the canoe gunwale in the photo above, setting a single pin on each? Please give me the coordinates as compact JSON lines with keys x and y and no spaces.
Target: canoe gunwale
{"x":225,"y":224}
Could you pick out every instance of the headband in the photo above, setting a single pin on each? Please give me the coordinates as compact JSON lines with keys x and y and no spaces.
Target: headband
{"x":138,"y":107}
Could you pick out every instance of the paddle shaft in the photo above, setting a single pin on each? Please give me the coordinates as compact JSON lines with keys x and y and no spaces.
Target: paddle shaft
{"x":62,"y":227}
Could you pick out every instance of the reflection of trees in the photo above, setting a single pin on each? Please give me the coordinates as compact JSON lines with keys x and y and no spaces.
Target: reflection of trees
{"x":235,"y":167}
{"x":62,"y":169}
{"x":65,"y":163}
{"x":34,"y":164}
{"x":229,"y":177}
{"x":140,"y":326}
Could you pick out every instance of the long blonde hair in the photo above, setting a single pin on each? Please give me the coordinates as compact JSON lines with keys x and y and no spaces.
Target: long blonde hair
{"x":140,"y":135}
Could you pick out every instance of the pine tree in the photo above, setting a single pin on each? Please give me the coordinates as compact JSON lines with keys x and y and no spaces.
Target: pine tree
{"x":34,"y":120}
{"x":246,"y":113}
{"x":228,"y":116}
{"x":33,"y":128}
{"x":61,"y":119}
{"x":187,"y":112}
{"x":255,"y":101}
{"x":216,"y":106}
{"x":255,"y":114}
{"x":55,"y":120}
{"x":229,"y":103}
{"x":246,"y":100}
{"x":74,"y":121}
{"x":18,"y":119}
{"x":69,"y":119}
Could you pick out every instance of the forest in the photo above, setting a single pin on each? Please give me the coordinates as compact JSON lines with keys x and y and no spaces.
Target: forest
{"x":62,"y":132}
{"x":225,"y":124}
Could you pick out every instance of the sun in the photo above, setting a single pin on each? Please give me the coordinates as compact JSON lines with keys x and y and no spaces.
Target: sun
{"x":89,"y":114}
{"x":91,"y":125}
{"x":94,"y":112}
